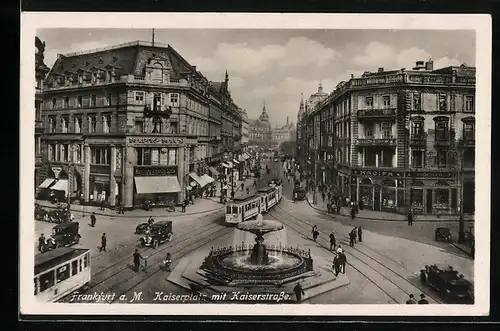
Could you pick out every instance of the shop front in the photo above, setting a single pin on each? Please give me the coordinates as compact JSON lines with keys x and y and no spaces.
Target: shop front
{"x":433,"y":193}
{"x":99,"y":184}
{"x":156,"y":184}
{"x":379,"y":190}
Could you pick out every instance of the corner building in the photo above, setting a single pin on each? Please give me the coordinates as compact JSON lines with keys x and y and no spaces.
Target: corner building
{"x":403,"y":139}
{"x":132,"y":122}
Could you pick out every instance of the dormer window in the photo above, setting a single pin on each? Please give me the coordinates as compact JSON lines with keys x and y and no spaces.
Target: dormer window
{"x":157,"y":75}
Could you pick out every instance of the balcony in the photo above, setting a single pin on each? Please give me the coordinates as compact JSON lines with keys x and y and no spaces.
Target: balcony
{"x":368,"y":142}
{"x":161,"y":111}
{"x":442,"y":142}
{"x":39,"y":127}
{"x":467,"y":142}
{"x":376,"y":113}
{"x":418,"y":140}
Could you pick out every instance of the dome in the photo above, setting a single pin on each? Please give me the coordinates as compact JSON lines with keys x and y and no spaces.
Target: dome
{"x":264,"y":117}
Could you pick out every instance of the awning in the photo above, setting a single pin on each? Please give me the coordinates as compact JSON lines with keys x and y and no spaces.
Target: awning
{"x":207,"y":179}
{"x":46,"y":183}
{"x":197,"y":178}
{"x":226,"y":165}
{"x":157,"y":184}
{"x":60,"y":185}
{"x":214,"y":171}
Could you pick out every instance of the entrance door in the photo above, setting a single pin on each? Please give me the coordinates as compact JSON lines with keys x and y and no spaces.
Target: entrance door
{"x":429,"y":201}
{"x":376,"y":200}
{"x":468,"y":197}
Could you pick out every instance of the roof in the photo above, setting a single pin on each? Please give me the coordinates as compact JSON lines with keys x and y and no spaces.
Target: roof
{"x":54,"y":257}
{"x":161,"y":223}
{"x":242,"y":198}
{"x":66,"y":225}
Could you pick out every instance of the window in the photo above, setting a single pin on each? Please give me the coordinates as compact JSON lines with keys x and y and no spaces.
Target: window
{"x":106,"y":123}
{"x":417,"y":129}
{"x":47,"y":280}
{"x":108,"y":99}
{"x":386,"y":129}
{"x":66,"y":102}
{"x":157,"y":123}
{"x":386,"y":100}
{"x":157,"y":101}
{"x":139,"y":125}
{"x":469,"y":103}
{"x":443,"y":105}
{"x":74,"y":267}
{"x":64,"y":153}
{"x":469,"y":133}
{"x":54,"y":103}
{"x":442,"y":158}
{"x":369,"y":130}
{"x":93,"y":100}
{"x":92,"y":124}
{"x":77,"y":156}
{"x":369,"y":101}
{"x":36,"y":285}
{"x":62,"y":273}
{"x":64,"y":124}
{"x":100,"y":155}
{"x":157,"y":73}
{"x":156,"y":156}
{"x":52,"y":125}
{"x":441,"y":130}
{"x":417,"y":102}
{"x":79,"y":101}
{"x":86,"y":261}
{"x":418,"y":159}
{"x":370,"y":157}
{"x":52,"y":152}
{"x":78,"y":124}
{"x":139,"y":98}
{"x":174,"y":99}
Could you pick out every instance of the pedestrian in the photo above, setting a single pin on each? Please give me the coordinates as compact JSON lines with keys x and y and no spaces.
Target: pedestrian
{"x":352,"y":238}
{"x":41,"y":242}
{"x":361,"y":204}
{"x":410,"y":218}
{"x":342,"y":260}
{"x":242,"y":186}
{"x":248,"y":190}
{"x":137,"y":260}
{"x":333,"y":242}
{"x":93,"y":220}
{"x":183,"y":206}
{"x":329,"y":207}
{"x":120,"y":209}
{"x":102,"y":205}
{"x":299,"y":292}
{"x":103,"y":243}
{"x":360,"y":234}
{"x":323,"y":196}
{"x":315,"y":232}
{"x":411,"y":300}
{"x":423,"y":300}
{"x":353,"y":212}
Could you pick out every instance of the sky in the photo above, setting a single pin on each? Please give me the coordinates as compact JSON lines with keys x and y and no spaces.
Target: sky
{"x":275,"y":66}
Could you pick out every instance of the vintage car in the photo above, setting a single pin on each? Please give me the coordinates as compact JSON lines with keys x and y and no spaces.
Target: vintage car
{"x":158,"y":233}
{"x":451,"y":286}
{"x":299,"y":194}
{"x":64,"y":234}
{"x":442,"y":234}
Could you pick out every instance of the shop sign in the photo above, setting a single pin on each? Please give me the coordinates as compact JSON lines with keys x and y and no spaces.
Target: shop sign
{"x":431,"y":174}
{"x":378,"y":173}
{"x":155,"y":140}
{"x":155,"y":171}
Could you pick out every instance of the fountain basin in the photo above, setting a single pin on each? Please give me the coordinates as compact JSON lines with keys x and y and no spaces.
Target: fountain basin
{"x":260,"y":227}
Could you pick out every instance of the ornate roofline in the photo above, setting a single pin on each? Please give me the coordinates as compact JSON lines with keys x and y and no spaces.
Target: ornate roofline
{"x":118,"y":46}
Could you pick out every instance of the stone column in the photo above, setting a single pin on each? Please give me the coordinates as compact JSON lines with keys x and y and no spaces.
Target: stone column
{"x":112,"y":181}
{"x":128,"y":177}
{"x":86,"y":172}
{"x":357,"y":188}
{"x":181,"y":173}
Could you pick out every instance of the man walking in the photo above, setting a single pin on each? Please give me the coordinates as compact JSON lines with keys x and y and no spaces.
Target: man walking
{"x":183,"y":206}
{"x":352,"y":238}
{"x":299,"y":292}
{"x":410,"y":218}
{"x":93,"y":220}
{"x":342,"y":260}
{"x":333,"y":242}
{"x":360,"y":234}
{"x":41,"y":242}
{"x":103,"y":243}
{"x":137,"y":260}
{"x":411,"y":300}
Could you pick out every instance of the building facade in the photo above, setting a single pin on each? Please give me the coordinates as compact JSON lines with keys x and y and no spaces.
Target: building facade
{"x":41,"y":71}
{"x":245,"y":134}
{"x":131,"y":123}
{"x":283,"y":133}
{"x":259,"y":130}
{"x":399,"y":140}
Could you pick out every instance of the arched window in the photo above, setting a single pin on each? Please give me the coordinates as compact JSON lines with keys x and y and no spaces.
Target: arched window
{"x":417,"y":183}
{"x":366,"y":181}
{"x":157,"y":73}
{"x":389,"y":182}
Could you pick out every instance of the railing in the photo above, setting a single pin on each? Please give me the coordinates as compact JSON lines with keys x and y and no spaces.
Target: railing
{"x":429,"y":78}
{"x":377,"y":112}
{"x":467,"y":142}
{"x":379,"y":141}
{"x":442,"y":142}
{"x":418,"y":140}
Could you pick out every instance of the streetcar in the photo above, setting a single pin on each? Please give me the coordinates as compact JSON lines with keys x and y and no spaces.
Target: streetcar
{"x":243,"y":209}
{"x":60,"y":272}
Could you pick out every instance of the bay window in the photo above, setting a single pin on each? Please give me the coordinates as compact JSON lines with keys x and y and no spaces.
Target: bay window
{"x":156,"y":156}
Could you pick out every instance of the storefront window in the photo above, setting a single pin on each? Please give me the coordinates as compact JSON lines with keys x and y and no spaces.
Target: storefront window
{"x":388,"y":194}
{"x":366,"y":193}
{"x":441,"y":198}
{"x":417,"y":198}
{"x":156,"y":156}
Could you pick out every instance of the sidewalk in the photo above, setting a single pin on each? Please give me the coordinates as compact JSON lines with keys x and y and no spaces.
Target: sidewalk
{"x":384,"y":216}
{"x":201,"y":206}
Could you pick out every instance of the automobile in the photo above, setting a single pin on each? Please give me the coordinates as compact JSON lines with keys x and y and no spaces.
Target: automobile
{"x":448,"y":283}
{"x":142,"y":228}
{"x":442,"y":234}
{"x":158,"y":233}
{"x":299,"y":194}
{"x":64,"y":234}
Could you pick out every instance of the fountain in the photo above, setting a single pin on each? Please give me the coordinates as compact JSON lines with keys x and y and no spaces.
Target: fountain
{"x":252,"y":265}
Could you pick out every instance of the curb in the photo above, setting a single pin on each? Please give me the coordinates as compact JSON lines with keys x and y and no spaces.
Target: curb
{"x":437,"y":220}
{"x":463,"y":250}
{"x":140,"y":216}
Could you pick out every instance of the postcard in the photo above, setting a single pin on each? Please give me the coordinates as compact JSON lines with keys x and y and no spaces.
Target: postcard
{"x":255,"y":164}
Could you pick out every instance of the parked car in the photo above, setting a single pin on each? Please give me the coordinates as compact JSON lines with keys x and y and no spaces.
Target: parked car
{"x":442,"y":234}
{"x":451,"y":286}
{"x":299,"y":194}
{"x":64,"y":234}
{"x":158,"y":233}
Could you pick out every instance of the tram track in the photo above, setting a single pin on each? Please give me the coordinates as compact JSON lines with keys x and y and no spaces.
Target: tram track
{"x":380,"y":275}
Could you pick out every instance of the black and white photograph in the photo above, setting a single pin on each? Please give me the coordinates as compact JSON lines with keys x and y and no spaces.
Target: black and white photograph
{"x":255,"y":164}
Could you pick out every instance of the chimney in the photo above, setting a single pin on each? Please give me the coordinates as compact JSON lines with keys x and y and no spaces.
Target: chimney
{"x":380,"y":70}
{"x":429,"y":65}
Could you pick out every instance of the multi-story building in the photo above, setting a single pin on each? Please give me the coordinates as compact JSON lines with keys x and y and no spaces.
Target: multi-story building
{"x":130,"y":123}
{"x":403,"y":139}
{"x":41,"y":71}
{"x":244,"y":128}
{"x":259,"y":130}
{"x":283,"y":133}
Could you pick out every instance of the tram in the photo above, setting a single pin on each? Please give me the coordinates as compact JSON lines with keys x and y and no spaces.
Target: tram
{"x":60,"y":272}
{"x":242,"y":209}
